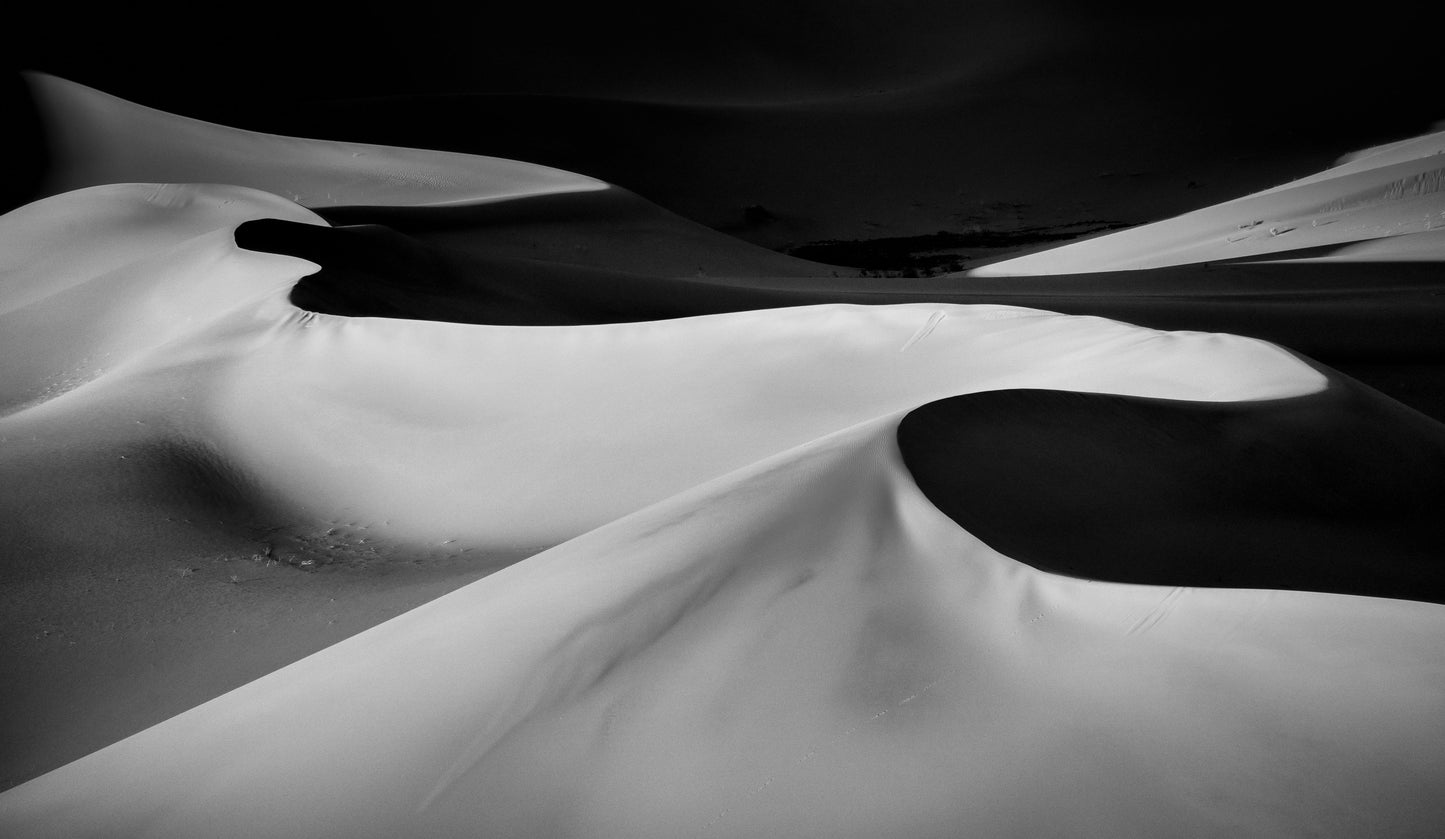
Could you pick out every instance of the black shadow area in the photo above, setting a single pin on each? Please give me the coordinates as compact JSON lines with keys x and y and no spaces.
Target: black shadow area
{"x":1339,"y":491}
{"x":374,"y":271}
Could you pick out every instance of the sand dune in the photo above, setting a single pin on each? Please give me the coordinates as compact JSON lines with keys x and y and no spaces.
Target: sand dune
{"x":575,"y":259}
{"x":229,"y":439}
{"x":368,"y":491}
{"x":807,"y":647}
{"x":1335,"y":491}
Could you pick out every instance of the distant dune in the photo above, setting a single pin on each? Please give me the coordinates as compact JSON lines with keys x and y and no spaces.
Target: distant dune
{"x":360,"y":490}
{"x":1371,"y":207}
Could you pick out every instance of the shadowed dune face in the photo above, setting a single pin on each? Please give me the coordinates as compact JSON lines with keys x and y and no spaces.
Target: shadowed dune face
{"x":601,"y":257}
{"x":1337,"y":491}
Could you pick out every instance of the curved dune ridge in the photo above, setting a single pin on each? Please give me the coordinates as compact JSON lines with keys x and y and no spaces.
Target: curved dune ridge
{"x":546,"y":513}
{"x":159,"y":261}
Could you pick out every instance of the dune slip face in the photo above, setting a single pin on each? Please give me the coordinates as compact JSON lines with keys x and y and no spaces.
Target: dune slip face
{"x":1335,"y":491}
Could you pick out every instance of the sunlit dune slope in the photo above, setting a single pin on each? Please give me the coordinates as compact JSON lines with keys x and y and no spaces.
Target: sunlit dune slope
{"x":1335,"y":491}
{"x":805,"y":647}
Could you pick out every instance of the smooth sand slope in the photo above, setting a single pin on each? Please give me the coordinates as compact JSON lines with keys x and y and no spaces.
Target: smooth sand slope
{"x":806,"y":647}
{"x":766,"y":568}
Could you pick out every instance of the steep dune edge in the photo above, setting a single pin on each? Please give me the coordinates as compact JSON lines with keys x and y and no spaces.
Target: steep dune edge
{"x":806,"y":647}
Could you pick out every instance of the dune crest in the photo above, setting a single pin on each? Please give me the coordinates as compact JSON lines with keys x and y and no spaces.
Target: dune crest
{"x":159,"y":262}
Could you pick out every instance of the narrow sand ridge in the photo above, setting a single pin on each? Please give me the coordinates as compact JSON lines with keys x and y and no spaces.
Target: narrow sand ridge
{"x":807,"y":647}
{"x":1335,"y":491}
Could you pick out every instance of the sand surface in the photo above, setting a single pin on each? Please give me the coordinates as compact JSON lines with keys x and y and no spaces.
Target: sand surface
{"x":355,"y":490}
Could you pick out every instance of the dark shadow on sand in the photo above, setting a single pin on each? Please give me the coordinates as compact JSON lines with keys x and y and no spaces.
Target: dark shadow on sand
{"x":1338,"y":491}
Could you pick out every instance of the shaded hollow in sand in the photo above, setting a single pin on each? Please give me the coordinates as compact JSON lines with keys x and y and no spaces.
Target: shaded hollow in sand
{"x":1336,"y":491}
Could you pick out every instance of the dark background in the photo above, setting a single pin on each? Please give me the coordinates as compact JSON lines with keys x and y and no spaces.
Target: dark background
{"x":1277,"y":88}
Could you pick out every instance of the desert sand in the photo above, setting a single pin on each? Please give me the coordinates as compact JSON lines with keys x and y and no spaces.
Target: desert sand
{"x":362,"y":490}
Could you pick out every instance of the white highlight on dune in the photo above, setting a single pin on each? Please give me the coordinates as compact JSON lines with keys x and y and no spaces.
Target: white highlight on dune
{"x":1389,"y":198}
{"x":98,"y":138}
